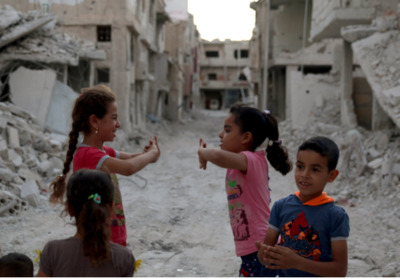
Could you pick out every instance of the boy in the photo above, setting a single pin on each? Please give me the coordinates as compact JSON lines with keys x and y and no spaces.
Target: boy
{"x":312,"y":228}
{"x":16,"y":265}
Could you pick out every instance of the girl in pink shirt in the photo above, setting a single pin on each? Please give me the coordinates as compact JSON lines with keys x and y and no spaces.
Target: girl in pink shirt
{"x":95,"y":115}
{"x":247,"y":185}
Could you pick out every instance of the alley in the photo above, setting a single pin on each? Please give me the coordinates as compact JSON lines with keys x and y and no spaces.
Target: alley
{"x":177,"y":215}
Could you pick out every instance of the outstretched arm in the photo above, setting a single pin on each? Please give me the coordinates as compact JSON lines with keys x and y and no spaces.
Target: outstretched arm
{"x":128,"y":165}
{"x":221,"y":158}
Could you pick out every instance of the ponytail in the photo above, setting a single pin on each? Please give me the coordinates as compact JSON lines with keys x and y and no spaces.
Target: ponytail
{"x":262,"y":125}
{"x":92,"y":223}
{"x":277,"y":154}
{"x":90,"y":195}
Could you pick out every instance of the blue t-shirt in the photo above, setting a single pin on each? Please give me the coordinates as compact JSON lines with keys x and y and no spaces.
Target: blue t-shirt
{"x":308,"y":229}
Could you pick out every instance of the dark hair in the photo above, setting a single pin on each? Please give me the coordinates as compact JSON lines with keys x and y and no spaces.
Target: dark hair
{"x":261,"y":126}
{"x":94,"y":100}
{"x":90,"y":194}
{"x":16,"y":265}
{"x":325,"y":147}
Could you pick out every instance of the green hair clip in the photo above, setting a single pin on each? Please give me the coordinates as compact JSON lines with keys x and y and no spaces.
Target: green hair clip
{"x":96,"y":198}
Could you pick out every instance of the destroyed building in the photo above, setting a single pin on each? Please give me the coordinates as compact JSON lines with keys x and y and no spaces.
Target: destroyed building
{"x":328,"y":51}
{"x":225,"y":74}
{"x":36,"y":61}
{"x":332,"y":68}
{"x":148,"y":79}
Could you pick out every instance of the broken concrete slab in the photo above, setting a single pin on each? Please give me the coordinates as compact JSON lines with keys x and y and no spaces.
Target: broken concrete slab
{"x":8,"y":17}
{"x":24,"y":29}
{"x":12,"y":137}
{"x":30,"y":192}
{"x":32,"y":90}
{"x":379,"y":59}
{"x":59,"y":115}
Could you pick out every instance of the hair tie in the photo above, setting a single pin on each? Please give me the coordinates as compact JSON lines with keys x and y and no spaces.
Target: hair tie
{"x":278,"y":142}
{"x":96,"y":198}
{"x":267,"y":112}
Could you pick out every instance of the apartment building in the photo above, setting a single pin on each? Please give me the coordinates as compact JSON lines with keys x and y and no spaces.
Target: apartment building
{"x":224,"y":74}
{"x":132,"y":33}
{"x":317,"y":53}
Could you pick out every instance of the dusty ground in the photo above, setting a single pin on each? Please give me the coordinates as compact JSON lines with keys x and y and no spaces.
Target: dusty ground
{"x":177,"y":216}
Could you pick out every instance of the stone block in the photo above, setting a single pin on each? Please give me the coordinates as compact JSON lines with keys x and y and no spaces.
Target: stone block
{"x":30,"y":192}
{"x":12,"y":137}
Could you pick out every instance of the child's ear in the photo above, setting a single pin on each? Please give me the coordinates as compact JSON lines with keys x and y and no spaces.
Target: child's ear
{"x":247,"y":138}
{"x":93,"y":121}
{"x":332,"y":175}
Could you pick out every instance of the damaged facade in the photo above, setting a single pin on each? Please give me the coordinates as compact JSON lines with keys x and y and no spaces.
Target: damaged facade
{"x":224,"y":74}
{"x":148,"y":79}
{"x":35,"y":61}
{"x":320,"y":52}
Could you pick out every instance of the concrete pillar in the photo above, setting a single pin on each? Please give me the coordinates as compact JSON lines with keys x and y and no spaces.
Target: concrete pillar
{"x":347,"y":115}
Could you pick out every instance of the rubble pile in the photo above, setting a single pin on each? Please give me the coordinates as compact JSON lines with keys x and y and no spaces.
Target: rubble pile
{"x":369,"y":161}
{"x":29,"y":159}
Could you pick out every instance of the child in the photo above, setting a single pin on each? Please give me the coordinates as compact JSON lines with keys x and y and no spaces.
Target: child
{"x":95,"y":114}
{"x":312,"y":228}
{"x":90,"y":196}
{"x":247,"y":185}
{"x":16,"y":265}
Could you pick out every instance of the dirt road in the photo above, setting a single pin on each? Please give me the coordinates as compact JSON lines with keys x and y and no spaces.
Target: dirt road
{"x":177,"y":216}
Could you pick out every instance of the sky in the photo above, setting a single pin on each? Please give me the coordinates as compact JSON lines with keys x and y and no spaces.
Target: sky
{"x":223,"y":19}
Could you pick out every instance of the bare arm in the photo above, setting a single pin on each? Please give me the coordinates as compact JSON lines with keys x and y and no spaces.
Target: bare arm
{"x":128,"y":165}
{"x":285,"y":258}
{"x":126,"y":155}
{"x":269,"y":241}
{"x":221,"y":158}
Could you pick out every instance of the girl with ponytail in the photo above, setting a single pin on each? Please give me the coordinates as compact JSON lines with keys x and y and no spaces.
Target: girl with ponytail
{"x":89,"y":253}
{"x":247,"y":180}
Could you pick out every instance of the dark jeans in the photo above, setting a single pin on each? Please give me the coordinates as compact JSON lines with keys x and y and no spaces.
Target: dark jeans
{"x":251,"y":267}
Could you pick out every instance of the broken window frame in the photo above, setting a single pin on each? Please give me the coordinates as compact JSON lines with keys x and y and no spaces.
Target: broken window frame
{"x":212,"y":76}
{"x":212,"y":53}
{"x":103,"y":75}
{"x":104,"y":33}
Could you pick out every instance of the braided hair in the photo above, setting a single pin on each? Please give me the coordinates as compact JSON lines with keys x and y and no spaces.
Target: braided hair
{"x":92,"y":101}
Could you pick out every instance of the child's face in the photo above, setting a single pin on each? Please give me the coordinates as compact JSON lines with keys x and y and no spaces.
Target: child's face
{"x":109,"y":123}
{"x":312,"y":174}
{"x":231,"y":138}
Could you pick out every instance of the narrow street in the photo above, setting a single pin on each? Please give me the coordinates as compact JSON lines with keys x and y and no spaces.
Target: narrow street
{"x":177,"y":217}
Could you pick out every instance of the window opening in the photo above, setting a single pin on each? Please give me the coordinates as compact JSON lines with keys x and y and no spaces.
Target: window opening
{"x":103,"y":75}
{"x":104,"y":33}
{"x":212,"y":76}
{"x":212,"y":53}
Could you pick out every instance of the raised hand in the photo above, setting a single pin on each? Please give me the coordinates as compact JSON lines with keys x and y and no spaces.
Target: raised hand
{"x":152,"y":147}
{"x":202,"y":161}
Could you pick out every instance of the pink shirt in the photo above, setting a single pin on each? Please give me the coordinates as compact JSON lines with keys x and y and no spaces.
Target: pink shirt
{"x":90,"y":157}
{"x":249,"y":202}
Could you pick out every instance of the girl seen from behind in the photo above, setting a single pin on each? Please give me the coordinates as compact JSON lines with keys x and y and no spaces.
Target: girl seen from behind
{"x":247,"y":181}
{"x":89,"y":253}
{"x":95,"y":115}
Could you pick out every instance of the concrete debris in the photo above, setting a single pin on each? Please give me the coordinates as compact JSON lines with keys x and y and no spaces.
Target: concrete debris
{"x":27,"y":168}
{"x":379,"y":59}
{"x":369,"y":163}
{"x":34,"y":37}
{"x":8,"y":17}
